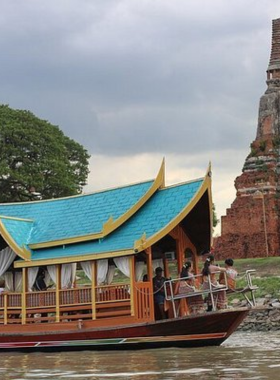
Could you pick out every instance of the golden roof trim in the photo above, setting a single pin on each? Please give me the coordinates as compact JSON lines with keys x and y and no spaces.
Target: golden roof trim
{"x":20,"y":251}
{"x":73,"y":259}
{"x":110,"y":225}
{"x":205,"y":186}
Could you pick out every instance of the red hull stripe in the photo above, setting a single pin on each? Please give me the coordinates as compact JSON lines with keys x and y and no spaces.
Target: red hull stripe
{"x":98,"y":342}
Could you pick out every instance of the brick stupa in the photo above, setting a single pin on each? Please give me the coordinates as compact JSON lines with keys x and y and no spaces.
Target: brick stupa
{"x":251,"y":227}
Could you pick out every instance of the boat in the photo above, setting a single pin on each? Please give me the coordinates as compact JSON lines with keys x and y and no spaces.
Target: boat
{"x":114,"y":237}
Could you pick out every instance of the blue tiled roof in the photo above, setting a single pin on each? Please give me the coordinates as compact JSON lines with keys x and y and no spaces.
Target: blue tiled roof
{"x":74,"y":216}
{"x":158,"y":212}
{"x":20,"y":230}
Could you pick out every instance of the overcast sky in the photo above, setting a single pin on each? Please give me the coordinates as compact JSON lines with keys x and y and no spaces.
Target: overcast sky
{"x":138,"y":80}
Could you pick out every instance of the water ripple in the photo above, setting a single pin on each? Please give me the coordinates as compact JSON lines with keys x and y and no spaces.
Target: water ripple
{"x":253,"y":356}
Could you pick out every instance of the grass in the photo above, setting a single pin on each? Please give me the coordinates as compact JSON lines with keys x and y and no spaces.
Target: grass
{"x":265,"y":266}
{"x":267,"y":276}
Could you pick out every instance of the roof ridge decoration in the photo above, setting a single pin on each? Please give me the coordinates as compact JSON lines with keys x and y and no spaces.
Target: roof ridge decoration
{"x":143,"y":243}
{"x":110,"y":225}
{"x":139,"y":244}
{"x":159,"y":183}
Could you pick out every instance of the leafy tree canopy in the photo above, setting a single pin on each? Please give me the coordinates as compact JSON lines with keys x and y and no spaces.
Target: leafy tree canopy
{"x":36,"y":157}
{"x":215,"y":218}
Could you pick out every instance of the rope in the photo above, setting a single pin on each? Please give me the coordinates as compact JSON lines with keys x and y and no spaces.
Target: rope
{"x":149,"y":294}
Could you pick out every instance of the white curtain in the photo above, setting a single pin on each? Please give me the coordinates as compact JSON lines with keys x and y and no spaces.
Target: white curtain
{"x":47,"y":279}
{"x":73,"y":277}
{"x":110,"y":274}
{"x":122,"y":264}
{"x":102,"y":269}
{"x":157,"y":263}
{"x":7,"y":256}
{"x":86,"y":266}
{"x":105,"y":273}
{"x":32,"y":275}
{"x":139,"y":267}
{"x":52,"y":272}
{"x":9,"y":281}
{"x":18,"y":282}
{"x":68,"y":275}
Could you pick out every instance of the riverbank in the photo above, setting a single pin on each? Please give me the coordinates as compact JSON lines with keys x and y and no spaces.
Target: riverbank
{"x":267,"y":295}
{"x":267,"y":319}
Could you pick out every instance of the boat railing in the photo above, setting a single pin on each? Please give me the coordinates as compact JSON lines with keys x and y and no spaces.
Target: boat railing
{"x":10,"y":307}
{"x":193,"y":287}
{"x":113,"y":300}
{"x":40,"y":299}
{"x":172,"y":292}
{"x":52,"y":305}
{"x":145,"y":307}
{"x":247,"y":290}
{"x":113,"y":292}
{"x":74,"y":296}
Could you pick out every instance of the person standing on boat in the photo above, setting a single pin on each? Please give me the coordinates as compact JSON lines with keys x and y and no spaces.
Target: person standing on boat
{"x":188,"y":285}
{"x":209,"y":272}
{"x":159,"y":295}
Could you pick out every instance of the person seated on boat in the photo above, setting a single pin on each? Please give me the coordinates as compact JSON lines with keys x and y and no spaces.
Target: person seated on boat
{"x":209,"y":272}
{"x":187,"y":279}
{"x":40,"y":284}
{"x":194,"y":304}
{"x":2,"y":286}
{"x":231,"y":274}
{"x":145,"y":278}
{"x":159,"y":295}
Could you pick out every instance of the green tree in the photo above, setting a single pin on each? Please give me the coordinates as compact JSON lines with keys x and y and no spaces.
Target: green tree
{"x":215,"y":218}
{"x":36,"y":155}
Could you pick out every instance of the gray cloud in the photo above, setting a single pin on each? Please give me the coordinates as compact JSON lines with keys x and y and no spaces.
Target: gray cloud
{"x":124,"y":77}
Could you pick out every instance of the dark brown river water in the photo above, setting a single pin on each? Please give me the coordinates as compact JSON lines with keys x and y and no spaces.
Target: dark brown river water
{"x":243,"y":356}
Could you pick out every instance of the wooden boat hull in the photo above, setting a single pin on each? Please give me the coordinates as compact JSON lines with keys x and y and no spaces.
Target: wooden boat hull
{"x":193,"y":331}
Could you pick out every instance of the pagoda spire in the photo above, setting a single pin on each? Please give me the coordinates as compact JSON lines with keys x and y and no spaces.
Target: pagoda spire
{"x":251,"y":226}
{"x":269,"y":109}
{"x":273,"y":70}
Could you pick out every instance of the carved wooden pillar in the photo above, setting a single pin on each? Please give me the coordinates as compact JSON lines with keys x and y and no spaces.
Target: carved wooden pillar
{"x":23,"y":295}
{"x":150,"y":279}
{"x":57,"y":292}
{"x":132,"y":285}
{"x":93,"y":289}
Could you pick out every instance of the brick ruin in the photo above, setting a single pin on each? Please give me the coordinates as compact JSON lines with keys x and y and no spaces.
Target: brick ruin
{"x":251,"y":226}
